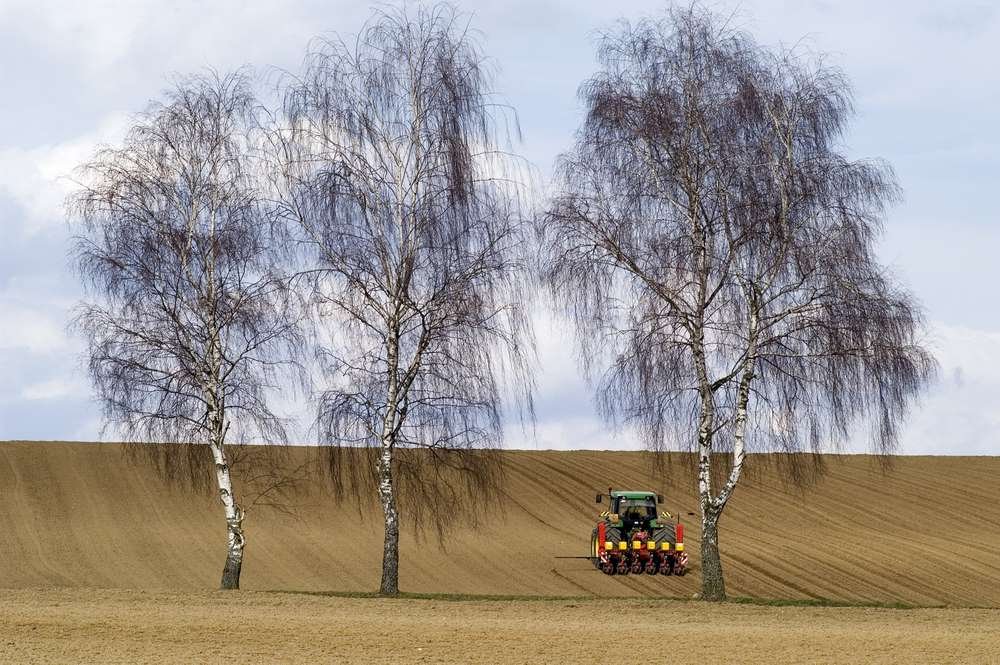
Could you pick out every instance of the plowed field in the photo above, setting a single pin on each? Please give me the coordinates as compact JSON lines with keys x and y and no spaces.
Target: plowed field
{"x":925,"y":533}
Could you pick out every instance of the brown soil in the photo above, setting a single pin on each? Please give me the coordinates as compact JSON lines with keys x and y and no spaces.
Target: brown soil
{"x":107,"y":626}
{"x":927,"y":532}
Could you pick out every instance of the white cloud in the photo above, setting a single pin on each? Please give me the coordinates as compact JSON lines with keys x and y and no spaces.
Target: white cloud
{"x":39,"y":179}
{"x":961,"y":413}
{"x":94,"y":34}
{"x":57,"y":388}
{"x":583,"y":432}
{"x":113,"y":42}
{"x":975,"y":354}
{"x":26,"y":329}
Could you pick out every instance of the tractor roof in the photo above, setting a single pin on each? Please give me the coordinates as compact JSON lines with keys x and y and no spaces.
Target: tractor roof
{"x":632,"y":494}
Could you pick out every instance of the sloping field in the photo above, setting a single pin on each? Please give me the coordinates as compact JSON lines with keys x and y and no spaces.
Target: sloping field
{"x":925,"y":533}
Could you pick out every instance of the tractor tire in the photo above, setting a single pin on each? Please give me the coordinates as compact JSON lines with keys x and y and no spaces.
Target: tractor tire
{"x":613,"y":535}
{"x":594,"y":548}
{"x":665,"y":533}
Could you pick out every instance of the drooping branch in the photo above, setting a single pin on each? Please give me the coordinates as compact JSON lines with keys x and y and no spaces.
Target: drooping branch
{"x":189,"y":329}
{"x":406,"y":214}
{"x":709,"y":237}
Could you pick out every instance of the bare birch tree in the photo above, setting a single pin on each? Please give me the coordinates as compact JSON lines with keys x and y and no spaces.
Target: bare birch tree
{"x":184,"y":323}
{"x":713,"y":242}
{"x":407,"y":207}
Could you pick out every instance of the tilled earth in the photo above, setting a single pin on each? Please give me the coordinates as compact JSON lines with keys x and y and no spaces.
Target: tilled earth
{"x":924,"y":532}
{"x":121,"y":626}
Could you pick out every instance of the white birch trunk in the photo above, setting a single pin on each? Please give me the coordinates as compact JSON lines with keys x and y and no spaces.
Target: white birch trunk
{"x":218,"y":428}
{"x":387,"y":495}
{"x":234,"y":519}
{"x":713,"y":582}
{"x":389,"y":585}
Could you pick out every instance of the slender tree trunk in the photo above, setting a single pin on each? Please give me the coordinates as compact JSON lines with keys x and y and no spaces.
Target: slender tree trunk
{"x":389,"y":585}
{"x":234,"y":520}
{"x":387,"y":494}
{"x":216,"y":419}
{"x":713,"y":586}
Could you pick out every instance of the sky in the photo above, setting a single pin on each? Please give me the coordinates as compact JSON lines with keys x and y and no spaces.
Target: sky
{"x":927,"y":90}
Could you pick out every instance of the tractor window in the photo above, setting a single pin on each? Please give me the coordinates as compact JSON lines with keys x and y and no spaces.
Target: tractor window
{"x":639,"y":507}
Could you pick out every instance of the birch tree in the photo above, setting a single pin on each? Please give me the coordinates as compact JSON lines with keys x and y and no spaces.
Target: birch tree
{"x":712,"y":241}
{"x":407,"y":209}
{"x":184,"y":320}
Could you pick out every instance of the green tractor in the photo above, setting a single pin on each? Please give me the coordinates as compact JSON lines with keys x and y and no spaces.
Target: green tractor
{"x":632,"y":536}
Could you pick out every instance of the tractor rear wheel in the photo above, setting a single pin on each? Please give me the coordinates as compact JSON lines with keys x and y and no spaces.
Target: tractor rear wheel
{"x":665,"y":533}
{"x":614,"y":536}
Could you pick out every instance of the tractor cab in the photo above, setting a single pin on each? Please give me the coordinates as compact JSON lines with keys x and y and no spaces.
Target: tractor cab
{"x":632,"y":511}
{"x":635,"y":513}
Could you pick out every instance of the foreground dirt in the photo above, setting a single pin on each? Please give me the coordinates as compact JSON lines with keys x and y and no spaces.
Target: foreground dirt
{"x":925,"y":533}
{"x":63,"y":626}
